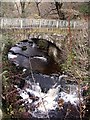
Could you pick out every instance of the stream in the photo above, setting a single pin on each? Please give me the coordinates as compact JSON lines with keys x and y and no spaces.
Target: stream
{"x":46,"y":92}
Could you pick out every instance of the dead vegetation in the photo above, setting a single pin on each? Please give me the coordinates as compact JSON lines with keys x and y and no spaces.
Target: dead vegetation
{"x":76,"y":64}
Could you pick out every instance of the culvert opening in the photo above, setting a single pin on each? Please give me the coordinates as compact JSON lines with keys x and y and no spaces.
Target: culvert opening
{"x":46,"y":92}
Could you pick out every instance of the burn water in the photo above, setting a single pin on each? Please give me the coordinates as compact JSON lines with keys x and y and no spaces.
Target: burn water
{"x":44,"y":89}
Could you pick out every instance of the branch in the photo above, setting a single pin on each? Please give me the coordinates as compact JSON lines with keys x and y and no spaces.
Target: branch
{"x":17,"y":9}
{"x":48,"y":12}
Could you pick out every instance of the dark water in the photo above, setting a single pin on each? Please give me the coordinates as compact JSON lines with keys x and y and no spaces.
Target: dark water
{"x":32,"y":56}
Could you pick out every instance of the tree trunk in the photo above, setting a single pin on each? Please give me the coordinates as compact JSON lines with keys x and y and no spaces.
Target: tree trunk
{"x":58,"y":8}
{"x":37,"y":4}
{"x":22,"y":9}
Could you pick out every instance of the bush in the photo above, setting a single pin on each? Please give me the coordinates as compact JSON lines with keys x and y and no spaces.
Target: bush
{"x":85,"y":9}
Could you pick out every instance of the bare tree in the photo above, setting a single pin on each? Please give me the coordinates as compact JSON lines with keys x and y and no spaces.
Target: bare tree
{"x":21,"y":7}
{"x":37,"y":4}
{"x":58,"y":6}
{"x":54,"y":8}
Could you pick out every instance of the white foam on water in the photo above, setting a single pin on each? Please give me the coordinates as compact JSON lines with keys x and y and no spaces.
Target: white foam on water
{"x":35,"y":93}
{"x":11,"y":56}
{"x":41,"y":58}
{"x":72,"y":98}
{"x":24,"y":94}
{"x":48,"y":101}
